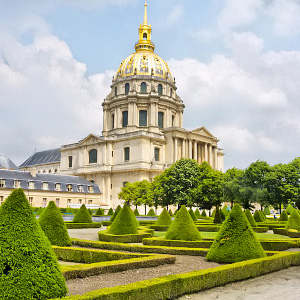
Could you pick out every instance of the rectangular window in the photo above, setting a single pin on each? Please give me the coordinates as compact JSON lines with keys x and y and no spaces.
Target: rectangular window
{"x":45,"y":185}
{"x":1,"y":200}
{"x":173,"y":121}
{"x":2,"y":183}
{"x":124,"y":118}
{"x":160,"y":119}
{"x":156,"y":154}
{"x":79,"y":201}
{"x":57,"y":202}
{"x":31,"y":184}
{"x":142,"y":118}
{"x":57,"y":186}
{"x":90,"y":201}
{"x":70,"y":161}
{"x":44,"y":204}
{"x":112,"y":121}
{"x":68,"y":201}
{"x":17,"y":183}
{"x":126,"y":153}
{"x":30,"y":199}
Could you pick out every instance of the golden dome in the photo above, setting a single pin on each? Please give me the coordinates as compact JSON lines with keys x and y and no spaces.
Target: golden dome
{"x":144,"y":61}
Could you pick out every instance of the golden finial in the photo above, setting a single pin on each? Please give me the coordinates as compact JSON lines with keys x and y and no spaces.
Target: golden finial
{"x":145,"y":14}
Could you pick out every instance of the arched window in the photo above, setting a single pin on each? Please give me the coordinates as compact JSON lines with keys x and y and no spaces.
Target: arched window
{"x":126,"y":88}
{"x":159,"y":89}
{"x":144,"y":88}
{"x":144,"y":36}
{"x":171,"y":92}
{"x":112,"y":121}
{"x":93,"y":156}
{"x":116,"y":91}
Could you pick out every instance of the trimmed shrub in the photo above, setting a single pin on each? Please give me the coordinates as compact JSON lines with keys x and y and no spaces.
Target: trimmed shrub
{"x":257,"y":216}
{"x":99,"y":212}
{"x":267,"y":211}
{"x":71,"y":225}
{"x":294,"y":221}
{"x":83,"y":215}
{"x":203,"y":214}
{"x":90,"y":211}
{"x":40,"y":211}
{"x":136,"y":212}
{"x":164,"y":218}
{"x":54,"y":226}
{"x":236,"y":240}
{"x":170,"y":212}
{"x":151,"y":213}
{"x":183,"y":227}
{"x":192,"y":214}
{"x":250,"y":218}
{"x":197,"y":213}
{"x":222,"y":215}
{"x":175,"y":212}
{"x":218,"y":217}
{"x":110,"y":212}
{"x":115,"y":213}
{"x":124,"y":223}
{"x":28,"y":266}
{"x":69,"y":210}
{"x":289,"y":209}
{"x":262,"y":215}
{"x":284,"y":216}
{"x":225,"y":210}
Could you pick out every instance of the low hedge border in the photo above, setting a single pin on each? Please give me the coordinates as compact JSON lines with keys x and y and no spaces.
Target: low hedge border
{"x":171,"y":286}
{"x":146,"y":222}
{"x":208,"y":228}
{"x":272,"y":225}
{"x":173,"y":243}
{"x":141,"y":248}
{"x":279,"y":245}
{"x":260,"y":229}
{"x":124,"y":238}
{"x":160,"y":227}
{"x":106,"y":223}
{"x":71,"y":225}
{"x":288,"y":232}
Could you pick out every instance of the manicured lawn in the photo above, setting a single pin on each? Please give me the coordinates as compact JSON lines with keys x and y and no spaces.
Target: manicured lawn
{"x":212,"y":235}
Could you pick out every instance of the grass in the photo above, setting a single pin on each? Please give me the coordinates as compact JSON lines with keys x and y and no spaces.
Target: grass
{"x":212,"y":235}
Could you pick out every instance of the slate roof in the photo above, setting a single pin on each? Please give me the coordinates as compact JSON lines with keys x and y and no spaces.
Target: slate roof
{"x":25,"y":177}
{"x":42,"y":157}
{"x":6,"y":163}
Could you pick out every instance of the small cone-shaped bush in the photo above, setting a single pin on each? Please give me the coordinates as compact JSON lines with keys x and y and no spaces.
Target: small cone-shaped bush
{"x":236,"y":240}
{"x":284,"y":216}
{"x":262,"y":215}
{"x":99,"y":212}
{"x":294,"y":221}
{"x":164,"y":218}
{"x":136,"y":212}
{"x":197,"y":213}
{"x":183,"y":227}
{"x":90,"y":211}
{"x":267,"y":211}
{"x":222,"y":215}
{"x":110,"y":212}
{"x":218,"y":217}
{"x":170,"y":213}
{"x":289,"y":209}
{"x":83,"y":215}
{"x":54,"y":226}
{"x":257,"y":216}
{"x":151,"y":213}
{"x":69,"y":210}
{"x":250,"y":218}
{"x":213,"y":213}
{"x":124,"y":223}
{"x":115,"y":213}
{"x":225,"y":210}
{"x":28,"y":266}
{"x":192,"y":214}
{"x":203,"y":214}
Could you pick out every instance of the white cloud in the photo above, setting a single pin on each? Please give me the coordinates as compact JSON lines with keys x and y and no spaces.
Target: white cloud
{"x":174,"y":16}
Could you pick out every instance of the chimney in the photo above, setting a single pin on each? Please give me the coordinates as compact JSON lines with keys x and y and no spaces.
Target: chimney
{"x":33,"y":172}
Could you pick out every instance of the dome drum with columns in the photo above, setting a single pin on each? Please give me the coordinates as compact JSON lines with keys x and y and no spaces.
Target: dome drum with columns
{"x":142,"y":127}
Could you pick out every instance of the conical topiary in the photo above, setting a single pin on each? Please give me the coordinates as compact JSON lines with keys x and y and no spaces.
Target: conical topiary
{"x":197,"y":213}
{"x":90,"y":211}
{"x":151,"y":213}
{"x":192,"y":214}
{"x":69,"y":210}
{"x":236,"y":240}
{"x":164,"y":218}
{"x":54,"y":226}
{"x":203,"y":214}
{"x":170,"y":213}
{"x":289,"y":209}
{"x":222,"y":215}
{"x":115,"y":213}
{"x":257,"y":216}
{"x":267,"y":211}
{"x":183,"y":227}
{"x":250,"y":218}
{"x":110,"y":212}
{"x":284,"y":216}
{"x":136,"y":212}
{"x":28,"y":266}
{"x":83,"y":215}
{"x":40,"y":211}
{"x":213,"y":213}
{"x":99,"y":212}
{"x":294,"y":221}
{"x":124,"y":223}
{"x":218,"y":217}
{"x":225,"y":210}
{"x":262,"y":215}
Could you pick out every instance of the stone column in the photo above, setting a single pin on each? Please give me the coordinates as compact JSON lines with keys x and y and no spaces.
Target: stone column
{"x":105,"y":126}
{"x":135,"y":114}
{"x":215,"y":158}
{"x":130,"y":114}
{"x":168,"y":118}
{"x":205,"y":152}
{"x":199,"y":154}
{"x":190,"y":149}
{"x":152,"y":114}
{"x":195,"y":151}
{"x":104,"y":154}
{"x":210,"y":154}
{"x":175,"y":149}
{"x":183,"y":146}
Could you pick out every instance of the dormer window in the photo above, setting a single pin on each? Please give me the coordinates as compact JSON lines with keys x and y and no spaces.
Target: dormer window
{"x":57,"y":186}
{"x":2,"y":183}
{"x":31,"y":184}
{"x":69,"y":187}
{"x":45,"y":186}
{"x":91,"y":189}
{"x":17,"y":183}
{"x":80,"y":188}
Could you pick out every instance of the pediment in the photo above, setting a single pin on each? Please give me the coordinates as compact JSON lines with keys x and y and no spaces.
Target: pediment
{"x":203,"y":131}
{"x":90,"y":140}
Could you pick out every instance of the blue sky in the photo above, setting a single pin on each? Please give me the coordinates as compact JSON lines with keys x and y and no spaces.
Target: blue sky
{"x":236,"y":63}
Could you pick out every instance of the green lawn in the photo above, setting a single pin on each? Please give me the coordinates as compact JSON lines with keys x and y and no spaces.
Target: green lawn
{"x":212,"y":235}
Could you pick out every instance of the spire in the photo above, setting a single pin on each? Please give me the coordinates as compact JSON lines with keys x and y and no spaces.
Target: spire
{"x":144,"y":43}
{"x":145,"y":14}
